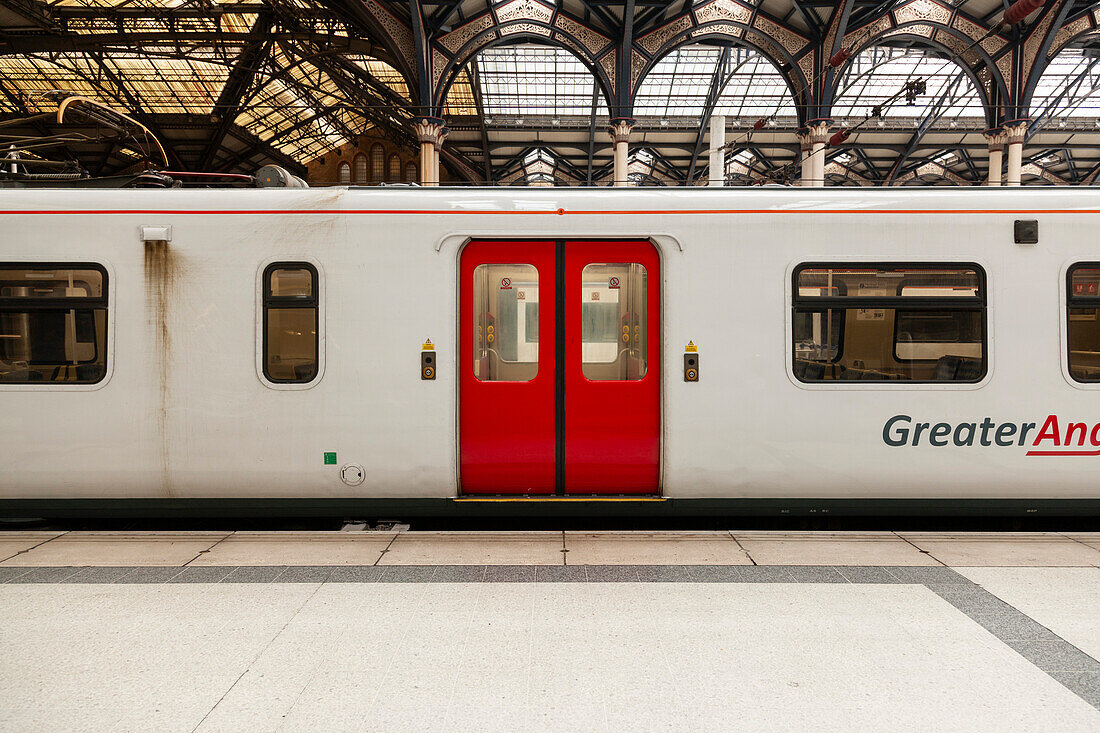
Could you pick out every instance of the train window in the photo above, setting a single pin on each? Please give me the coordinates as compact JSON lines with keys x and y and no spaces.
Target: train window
{"x":290,"y":341}
{"x":505,"y":328}
{"x":613,"y":322}
{"x":53,"y":323}
{"x":887,"y":322}
{"x":1083,"y":326}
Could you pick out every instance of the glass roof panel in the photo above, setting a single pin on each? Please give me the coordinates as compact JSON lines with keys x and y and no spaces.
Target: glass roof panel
{"x":535,"y":80}
{"x":1069,"y":86}
{"x":878,"y":73}
{"x":384,"y":73}
{"x":300,"y":110}
{"x":680,"y":82}
{"x":163,"y":85}
{"x":460,"y":97}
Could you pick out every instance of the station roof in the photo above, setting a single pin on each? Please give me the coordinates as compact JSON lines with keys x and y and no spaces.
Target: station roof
{"x":232,"y":84}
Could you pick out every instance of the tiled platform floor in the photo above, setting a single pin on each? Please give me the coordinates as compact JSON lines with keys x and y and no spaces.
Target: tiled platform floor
{"x":1036,"y":549}
{"x":549,"y":631}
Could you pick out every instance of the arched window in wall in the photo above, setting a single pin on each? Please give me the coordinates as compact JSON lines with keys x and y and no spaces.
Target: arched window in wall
{"x":377,"y":162}
{"x":345,"y":173}
{"x":410,"y":172}
{"x":360,"y":168}
{"x":395,"y":168}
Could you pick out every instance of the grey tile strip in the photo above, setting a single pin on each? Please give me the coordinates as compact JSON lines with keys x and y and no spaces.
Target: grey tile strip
{"x":1074,"y":669}
{"x":1067,"y":664}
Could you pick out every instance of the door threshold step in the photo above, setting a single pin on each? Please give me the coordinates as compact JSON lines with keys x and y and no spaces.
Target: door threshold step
{"x":555,"y":498}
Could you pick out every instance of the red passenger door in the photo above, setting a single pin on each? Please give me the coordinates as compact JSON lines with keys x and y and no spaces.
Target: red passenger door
{"x":612,"y":400}
{"x":533,"y":423}
{"x":507,"y":372}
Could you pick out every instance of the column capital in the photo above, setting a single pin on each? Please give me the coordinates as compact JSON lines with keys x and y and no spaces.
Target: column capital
{"x":995,"y":139}
{"x":430,"y":130}
{"x":815,"y":131}
{"x":1015,"y":131}
{"x":619,"y":129}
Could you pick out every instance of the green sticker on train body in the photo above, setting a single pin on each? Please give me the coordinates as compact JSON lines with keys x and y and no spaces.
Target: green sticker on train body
{"x":330,"y":459}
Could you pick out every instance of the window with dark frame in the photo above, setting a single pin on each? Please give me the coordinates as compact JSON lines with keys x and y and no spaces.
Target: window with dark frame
{"x":886,"y":322}
{"x":291,"y":305}
{"x":1082,"y":326}
{"x":53,"y":323}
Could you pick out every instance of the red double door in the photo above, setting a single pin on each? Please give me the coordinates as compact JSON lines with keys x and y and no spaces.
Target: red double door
{"x":560,"y":368}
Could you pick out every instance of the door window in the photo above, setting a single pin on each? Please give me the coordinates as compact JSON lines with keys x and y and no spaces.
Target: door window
{"x":505,"y":327}
{"x":613,"y":321}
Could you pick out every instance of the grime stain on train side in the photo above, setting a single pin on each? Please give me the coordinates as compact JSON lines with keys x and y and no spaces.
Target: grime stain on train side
{"x":160,"y":281}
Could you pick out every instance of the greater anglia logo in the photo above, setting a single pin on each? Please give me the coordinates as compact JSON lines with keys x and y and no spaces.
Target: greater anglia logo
{"x":1052,"y":438}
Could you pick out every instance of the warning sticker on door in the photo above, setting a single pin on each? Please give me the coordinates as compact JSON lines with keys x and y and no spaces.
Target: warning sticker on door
{"x":506,"y":283}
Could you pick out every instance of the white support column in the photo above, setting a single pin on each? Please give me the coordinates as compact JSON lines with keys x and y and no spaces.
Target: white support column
{"x":805,"y":148}
{"x":430,"y":131}
{"x":1014,"y":136}
{"x":717,"y":173}
{"x":996,"y":141}
{"x":812,"y":144}
{"x":619,"y":130}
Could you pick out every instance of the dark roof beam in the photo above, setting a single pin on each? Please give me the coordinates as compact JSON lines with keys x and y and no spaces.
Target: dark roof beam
{"x":236,"y":86}
{"x":475,"y":88}
{"x":592,"y":132}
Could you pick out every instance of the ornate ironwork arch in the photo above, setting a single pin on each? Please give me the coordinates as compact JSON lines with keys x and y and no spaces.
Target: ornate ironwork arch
{"x":495,"y":37}
{"x":738,"y":34}
{"x":987,"y":94}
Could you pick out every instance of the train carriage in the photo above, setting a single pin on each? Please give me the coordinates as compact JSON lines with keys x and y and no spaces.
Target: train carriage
{"x":441,"y":351}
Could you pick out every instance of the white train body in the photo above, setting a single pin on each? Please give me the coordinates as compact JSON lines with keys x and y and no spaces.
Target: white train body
{"x":185,"y":412}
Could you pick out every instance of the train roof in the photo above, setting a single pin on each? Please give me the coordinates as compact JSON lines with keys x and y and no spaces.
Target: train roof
{"x":461,"y":201}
